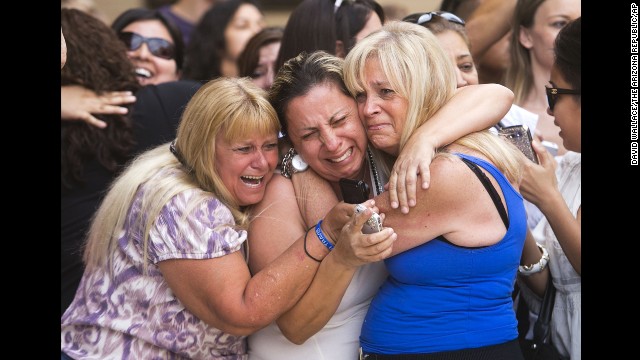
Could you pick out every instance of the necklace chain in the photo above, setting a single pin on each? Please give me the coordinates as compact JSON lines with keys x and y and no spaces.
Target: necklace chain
{"x":374,"y":170}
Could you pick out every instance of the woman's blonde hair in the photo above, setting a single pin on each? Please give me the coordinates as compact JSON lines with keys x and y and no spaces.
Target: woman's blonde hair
{"x":415,"y":65}
{"x":419,"y":70}
{"x":232,"y":107}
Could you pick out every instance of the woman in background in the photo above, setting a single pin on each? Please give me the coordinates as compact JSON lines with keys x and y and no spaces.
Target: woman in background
{"x":154,"y":45}
{"x":91,"y":157}
{"x":220,"y":37}
{"x":558,"y":194}
{"x":166,"y":260}
{"x":333,"y":26}
{"x":258,"y":59}
{"x":536,"y":24}
{"x":452,"y":269}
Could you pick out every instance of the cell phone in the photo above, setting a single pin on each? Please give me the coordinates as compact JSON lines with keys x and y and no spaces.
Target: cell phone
{"x":354,"y":191}
{"x":373,"y":225}
{"x":520,"y":136}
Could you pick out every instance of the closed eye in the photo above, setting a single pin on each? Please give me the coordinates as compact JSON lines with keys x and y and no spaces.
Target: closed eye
{"x":307,"y":136}
{"x":244,"y":149}
{"x":271,"y":146}
{"x":339,"y":121}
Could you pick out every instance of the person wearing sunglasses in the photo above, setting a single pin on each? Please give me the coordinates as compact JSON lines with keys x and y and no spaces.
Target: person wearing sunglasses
{"x":556,"y":190}
{"x":154,"y":44}
{"x":156,"y":50}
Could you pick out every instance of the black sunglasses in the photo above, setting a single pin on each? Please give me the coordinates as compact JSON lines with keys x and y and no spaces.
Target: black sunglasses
{"x":552,"y":94}
{"x":158,"y":47}
{"x":426,"y":17}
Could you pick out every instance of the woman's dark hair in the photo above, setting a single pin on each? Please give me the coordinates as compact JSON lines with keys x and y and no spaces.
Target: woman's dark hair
{"x":142,"y":14}
{"x":250,"y":56}
{"x":568,"y":53}
{"x":299,"y":75}
{"x":351,"y":18}
{"x":462,"y":8}
{"x":207,"y":46}
{"x":316,"y":25}
{"x":97,"y":60}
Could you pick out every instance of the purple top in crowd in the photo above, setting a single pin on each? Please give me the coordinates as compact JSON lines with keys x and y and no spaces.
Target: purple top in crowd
{"x":185,"y":26}
{"x":120,"y":313}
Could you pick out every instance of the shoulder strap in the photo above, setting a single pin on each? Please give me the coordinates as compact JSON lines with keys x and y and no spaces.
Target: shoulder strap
{"x":541,"y":327}
{"x":490,"y":189}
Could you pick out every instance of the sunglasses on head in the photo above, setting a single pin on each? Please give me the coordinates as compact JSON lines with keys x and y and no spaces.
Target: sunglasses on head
{"x":553,"y":92}
{"x":426,"y":17}
{"x":158,"y":47}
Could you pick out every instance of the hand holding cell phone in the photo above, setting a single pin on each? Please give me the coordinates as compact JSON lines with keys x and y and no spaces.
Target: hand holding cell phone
{"x":520,"y":137}
{"x":373,"y":224}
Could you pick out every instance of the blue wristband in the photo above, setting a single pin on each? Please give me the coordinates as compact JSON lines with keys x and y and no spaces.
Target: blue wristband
{"x":322,"y":238}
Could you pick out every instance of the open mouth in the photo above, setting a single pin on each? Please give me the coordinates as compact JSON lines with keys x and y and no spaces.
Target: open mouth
{"x":343,"y":157}
{"x":252,"y":181}
{"x":142,"y":72}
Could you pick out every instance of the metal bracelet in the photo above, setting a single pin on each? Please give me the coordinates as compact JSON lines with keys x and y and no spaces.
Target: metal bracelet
{"x":537,"y":267}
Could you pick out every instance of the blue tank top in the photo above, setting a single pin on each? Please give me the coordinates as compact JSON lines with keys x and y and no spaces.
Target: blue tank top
{"x":443,"y":297}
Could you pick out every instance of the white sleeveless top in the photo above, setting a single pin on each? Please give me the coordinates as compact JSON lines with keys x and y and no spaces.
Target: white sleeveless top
{"x":340,"y":337}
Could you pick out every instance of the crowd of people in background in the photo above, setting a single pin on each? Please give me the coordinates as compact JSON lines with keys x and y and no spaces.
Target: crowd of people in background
{"x":202,"y":152}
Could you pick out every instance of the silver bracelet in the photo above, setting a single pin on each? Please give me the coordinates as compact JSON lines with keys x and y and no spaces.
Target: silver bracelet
{"x":527,"y":270}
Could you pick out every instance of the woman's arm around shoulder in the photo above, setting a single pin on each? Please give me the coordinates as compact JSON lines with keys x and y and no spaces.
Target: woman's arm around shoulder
{"x":472,"y":108}
{"x":447,"y":207}
{"x":320,"y":302}
{"x":276,"y":223}
{"x":78,"y":103}
{"x":221,"y":291}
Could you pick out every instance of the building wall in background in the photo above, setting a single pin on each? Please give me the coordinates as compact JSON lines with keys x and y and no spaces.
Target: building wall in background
{"x":112,"y":9}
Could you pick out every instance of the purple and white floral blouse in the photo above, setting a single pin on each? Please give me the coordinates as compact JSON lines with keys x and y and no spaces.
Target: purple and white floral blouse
{"x":124,"y":314}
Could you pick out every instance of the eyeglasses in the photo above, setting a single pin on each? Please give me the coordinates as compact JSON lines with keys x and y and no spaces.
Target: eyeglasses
{"x":158,"y":47}
{"x":552,"y":94}
{"x":426,"y":17}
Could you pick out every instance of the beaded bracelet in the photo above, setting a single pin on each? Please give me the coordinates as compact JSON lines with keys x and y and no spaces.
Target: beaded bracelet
{"x":322,"y":238}
{"x":527,"y":270}
{"x":305,"y":245}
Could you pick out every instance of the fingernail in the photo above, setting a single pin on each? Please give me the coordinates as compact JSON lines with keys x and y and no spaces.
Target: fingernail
{"x":405,"y":210}
{"x":412,"y":202}
{"x":394,"y":204}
